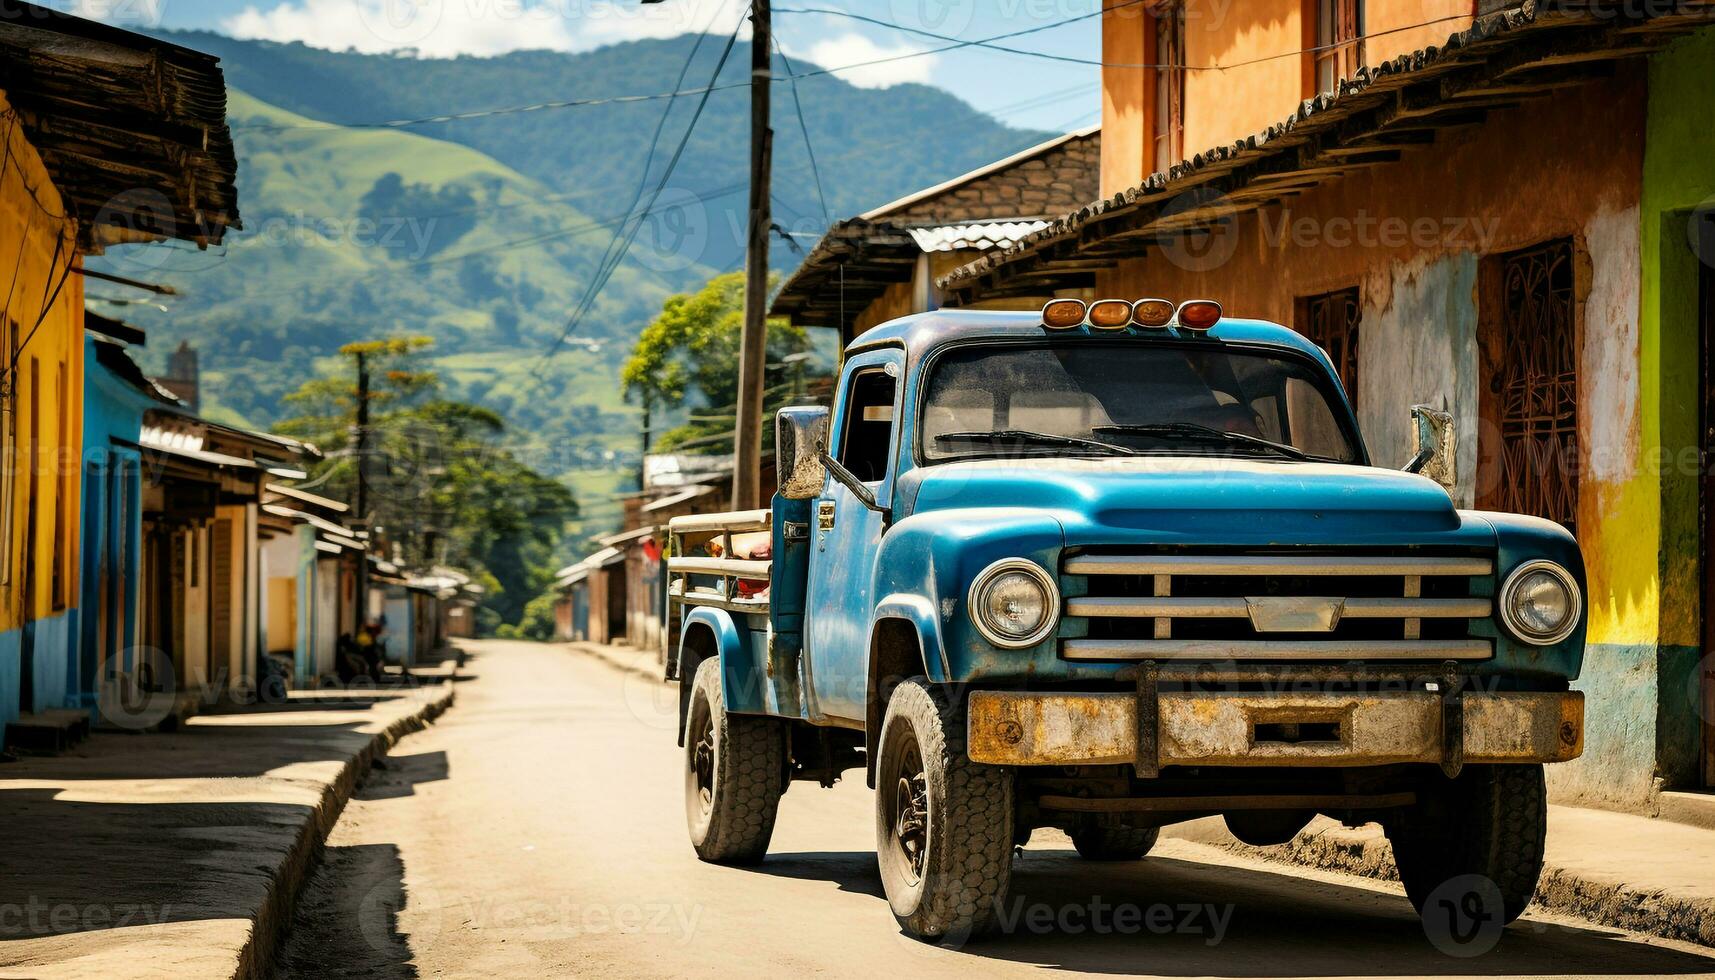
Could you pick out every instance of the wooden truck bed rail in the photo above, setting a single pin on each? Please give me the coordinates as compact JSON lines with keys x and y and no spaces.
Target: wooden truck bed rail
{"x":697,"y":579}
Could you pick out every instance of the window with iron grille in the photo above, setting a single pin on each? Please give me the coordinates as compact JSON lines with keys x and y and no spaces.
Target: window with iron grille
{"x":1330,"y":321}
{"x":1535,"y":383}
{"x":1169,"y":86}
{"x":1339,"y":41}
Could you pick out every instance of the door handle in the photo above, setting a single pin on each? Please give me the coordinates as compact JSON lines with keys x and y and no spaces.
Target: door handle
{"x":825,"y":515}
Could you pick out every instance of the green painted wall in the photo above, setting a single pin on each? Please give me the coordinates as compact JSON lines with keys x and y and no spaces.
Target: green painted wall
{"x":1679,"y":177}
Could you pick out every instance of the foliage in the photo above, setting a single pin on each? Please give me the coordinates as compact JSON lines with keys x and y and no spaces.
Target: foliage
{"x":537,"y":623}
{"x":690,"y":353}
{"x":444,"y":489}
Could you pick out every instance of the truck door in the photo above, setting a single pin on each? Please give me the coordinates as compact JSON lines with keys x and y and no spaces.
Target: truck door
{"x":846,"y":535}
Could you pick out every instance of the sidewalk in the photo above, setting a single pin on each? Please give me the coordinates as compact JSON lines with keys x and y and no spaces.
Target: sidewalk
{"x":180,"y":854}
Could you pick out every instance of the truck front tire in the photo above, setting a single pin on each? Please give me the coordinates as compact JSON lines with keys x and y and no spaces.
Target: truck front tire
{"x":1485,"y":828}
{"x":733,"y":772}
{"x":943,"y":824}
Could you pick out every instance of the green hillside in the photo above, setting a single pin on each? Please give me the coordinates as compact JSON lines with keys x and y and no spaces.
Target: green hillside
{"x":483,"y":234}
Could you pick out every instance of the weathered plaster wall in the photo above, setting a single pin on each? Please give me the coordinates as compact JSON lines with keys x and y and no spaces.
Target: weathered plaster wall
{"x":1396,"y":27}
{"x":1412,"y":237}
{"x":1418,"y":347}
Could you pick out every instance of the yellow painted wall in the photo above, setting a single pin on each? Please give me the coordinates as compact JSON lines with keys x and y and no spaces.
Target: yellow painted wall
{"x":48,"y":390}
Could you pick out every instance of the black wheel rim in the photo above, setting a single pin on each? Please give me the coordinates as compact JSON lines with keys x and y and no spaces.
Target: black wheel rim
{"x":701,"y":750}
{"x":910,"y":813}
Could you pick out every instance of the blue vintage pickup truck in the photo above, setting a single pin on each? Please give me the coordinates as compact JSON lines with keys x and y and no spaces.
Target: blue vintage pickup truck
{"x":1110,"y":566}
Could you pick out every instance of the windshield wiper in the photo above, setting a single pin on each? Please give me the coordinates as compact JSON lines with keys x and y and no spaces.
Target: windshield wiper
{"x":1193,"y":430}
{"x":1037,"y":438}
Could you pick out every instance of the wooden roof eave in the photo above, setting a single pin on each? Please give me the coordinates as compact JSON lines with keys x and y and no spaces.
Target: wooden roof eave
{"x":1508,"y":58}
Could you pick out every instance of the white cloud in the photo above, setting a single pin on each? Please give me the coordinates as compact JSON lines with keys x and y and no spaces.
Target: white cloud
{"x":855,"y":49}
{"x":449,"y":28}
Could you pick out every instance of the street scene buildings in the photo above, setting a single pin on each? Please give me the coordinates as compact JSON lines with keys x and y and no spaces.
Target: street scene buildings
{"x":434,"y":671}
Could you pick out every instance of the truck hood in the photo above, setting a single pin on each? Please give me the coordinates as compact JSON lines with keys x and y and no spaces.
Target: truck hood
{"x":1189,"y":499}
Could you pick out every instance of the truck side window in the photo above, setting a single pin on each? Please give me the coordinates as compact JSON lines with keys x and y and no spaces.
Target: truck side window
{"x":868,"y":425}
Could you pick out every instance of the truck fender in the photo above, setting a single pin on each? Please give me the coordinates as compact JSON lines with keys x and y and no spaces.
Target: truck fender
{"x":710,"y":632}
{"x":920,"y":613}
{"x":897,"y":616}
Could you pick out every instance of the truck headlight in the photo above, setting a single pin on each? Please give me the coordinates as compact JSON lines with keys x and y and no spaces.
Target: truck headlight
{"x":1015,"y":603}
{"x":1540,"y":603}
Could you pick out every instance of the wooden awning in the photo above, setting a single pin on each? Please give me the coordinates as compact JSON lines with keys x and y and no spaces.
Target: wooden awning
{"x":1501,"y":62}
{"x":132,"y":129}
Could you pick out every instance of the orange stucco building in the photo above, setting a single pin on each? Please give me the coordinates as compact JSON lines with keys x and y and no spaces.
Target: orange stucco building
{"x":1470,"y":204}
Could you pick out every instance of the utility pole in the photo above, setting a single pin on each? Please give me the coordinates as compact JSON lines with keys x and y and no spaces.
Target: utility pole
{"x":747,"y":438}
{"x":361,"y":504}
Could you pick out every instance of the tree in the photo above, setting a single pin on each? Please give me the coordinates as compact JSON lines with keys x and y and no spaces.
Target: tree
{"x":689,"y":354}
{"x":444,"y":489}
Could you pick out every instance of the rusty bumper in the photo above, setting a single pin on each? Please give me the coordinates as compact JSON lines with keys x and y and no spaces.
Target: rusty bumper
{"x":1262,"y":729}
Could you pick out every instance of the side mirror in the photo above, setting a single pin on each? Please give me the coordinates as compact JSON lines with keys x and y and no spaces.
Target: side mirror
{"x":800,"y":432}
{"x":1435,"y":446}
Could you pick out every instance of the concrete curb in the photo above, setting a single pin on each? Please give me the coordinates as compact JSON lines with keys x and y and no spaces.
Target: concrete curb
{"x":255,"y":958}
{"x":1328,"y":846}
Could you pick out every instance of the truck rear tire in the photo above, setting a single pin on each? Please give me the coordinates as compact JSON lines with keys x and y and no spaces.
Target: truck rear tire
{"x":1488,"y":826}
{"x":943,"y":824}
{"x":1114,"y":843}
{"x":733,"y":772}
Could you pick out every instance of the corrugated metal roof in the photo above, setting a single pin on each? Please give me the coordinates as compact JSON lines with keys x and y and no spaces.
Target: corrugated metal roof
{"x":981,"y":234}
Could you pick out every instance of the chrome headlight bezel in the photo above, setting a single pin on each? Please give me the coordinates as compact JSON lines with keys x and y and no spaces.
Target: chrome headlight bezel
{"x":988,"y":576}
{"x":1510,"y":619}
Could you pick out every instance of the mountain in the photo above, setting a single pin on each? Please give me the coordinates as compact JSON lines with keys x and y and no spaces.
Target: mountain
{"x":483,"y":233}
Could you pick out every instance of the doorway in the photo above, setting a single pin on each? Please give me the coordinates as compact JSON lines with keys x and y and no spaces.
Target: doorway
{"x":1706,"y":430}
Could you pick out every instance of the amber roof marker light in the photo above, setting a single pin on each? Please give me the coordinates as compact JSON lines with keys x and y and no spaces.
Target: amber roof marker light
{"x":1152,"y":313}
{"x":1199,"y":314}
{"x":1063,"y":314}
{"x":1110,"y":314}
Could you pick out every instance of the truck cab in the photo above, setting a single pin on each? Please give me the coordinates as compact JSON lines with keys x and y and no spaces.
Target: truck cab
{"x":1105,"y":567}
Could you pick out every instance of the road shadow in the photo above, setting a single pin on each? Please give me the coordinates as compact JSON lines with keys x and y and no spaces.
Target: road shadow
{"x":852,"y":871}
{"x":1190,"y":918}
{"x":1181,"y":918}
{"x":347,"y":920}
{"x":397,"y":776}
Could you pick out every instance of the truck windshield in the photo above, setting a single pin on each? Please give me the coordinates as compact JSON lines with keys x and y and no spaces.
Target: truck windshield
{"x":1087,"y":398}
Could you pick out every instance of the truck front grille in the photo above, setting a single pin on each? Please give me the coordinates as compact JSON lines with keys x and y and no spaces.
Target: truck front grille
{"x":1278,"y":606}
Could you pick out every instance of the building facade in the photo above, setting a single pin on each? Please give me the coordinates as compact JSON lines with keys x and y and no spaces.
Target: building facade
{"x":1439,"y":208}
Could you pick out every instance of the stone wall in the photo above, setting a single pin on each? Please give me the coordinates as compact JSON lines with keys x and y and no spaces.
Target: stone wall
{"x":1046,"y":185}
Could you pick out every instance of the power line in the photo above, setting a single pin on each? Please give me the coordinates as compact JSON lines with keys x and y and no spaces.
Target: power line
{"x":604,"y":274}
{"x":988,"y":44}
{"x":803,"y":127}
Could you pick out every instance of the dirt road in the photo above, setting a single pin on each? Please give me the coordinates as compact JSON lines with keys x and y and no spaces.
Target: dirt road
{"x":538,"y":830}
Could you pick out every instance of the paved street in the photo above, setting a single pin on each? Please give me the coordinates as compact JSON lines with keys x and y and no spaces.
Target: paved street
{"x":537,"y":830}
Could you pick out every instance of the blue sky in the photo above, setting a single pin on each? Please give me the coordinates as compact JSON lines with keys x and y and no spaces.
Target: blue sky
{"x":1023,"y":91}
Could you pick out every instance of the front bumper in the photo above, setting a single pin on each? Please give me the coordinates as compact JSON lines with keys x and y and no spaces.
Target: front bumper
{"x":1201,"y":728}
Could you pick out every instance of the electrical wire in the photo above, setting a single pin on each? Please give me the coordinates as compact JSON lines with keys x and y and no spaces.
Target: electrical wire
{"x":804,"y":127}
{"x":600,"y":281}
{"x":1073,"y":59}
